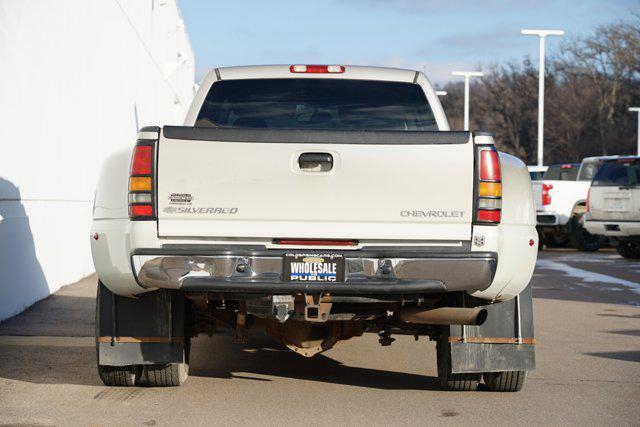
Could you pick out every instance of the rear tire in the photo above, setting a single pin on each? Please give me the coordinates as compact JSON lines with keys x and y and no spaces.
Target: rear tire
{"x":581,"y":239}
{"x":119,"y":376}
{"x":555,"y":239}
{"x":629,"y":250}
{"x":169,"y":375}
{"x":114,"y":376}
{"x":510,"y":381}
{"x":449,"y":381}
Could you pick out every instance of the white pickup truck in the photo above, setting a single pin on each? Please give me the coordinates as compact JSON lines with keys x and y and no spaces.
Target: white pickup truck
{"x":613,"y":207}
{"x":315,"y":203}
{"x":561,"y":198}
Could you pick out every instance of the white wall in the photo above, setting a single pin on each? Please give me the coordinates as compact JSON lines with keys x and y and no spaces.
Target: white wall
{"x":77,"y":79}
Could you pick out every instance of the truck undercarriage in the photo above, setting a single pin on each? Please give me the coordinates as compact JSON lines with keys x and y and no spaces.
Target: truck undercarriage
{"x":152,"y":333}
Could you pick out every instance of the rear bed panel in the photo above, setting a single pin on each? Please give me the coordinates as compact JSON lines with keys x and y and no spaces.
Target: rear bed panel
{"x":409,"y":190}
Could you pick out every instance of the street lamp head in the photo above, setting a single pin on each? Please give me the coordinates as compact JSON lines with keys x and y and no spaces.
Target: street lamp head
{"x":467,"y":73}
{"x":441,"y":92}
{"x":543,"y":33}
{"x":635,"y":109}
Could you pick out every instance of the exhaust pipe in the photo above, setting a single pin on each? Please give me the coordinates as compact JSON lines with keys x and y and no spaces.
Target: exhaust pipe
{"x":445,"y":316}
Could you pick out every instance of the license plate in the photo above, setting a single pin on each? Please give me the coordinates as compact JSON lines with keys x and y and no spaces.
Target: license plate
{"x":616,"y":204}
{"x":313,"y":267}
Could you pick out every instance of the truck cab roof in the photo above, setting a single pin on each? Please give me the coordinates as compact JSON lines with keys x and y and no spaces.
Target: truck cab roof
{"x":288,"y":71}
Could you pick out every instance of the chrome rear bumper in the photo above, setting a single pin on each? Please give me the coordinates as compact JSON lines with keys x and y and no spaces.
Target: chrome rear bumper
{"x":365,"y":273}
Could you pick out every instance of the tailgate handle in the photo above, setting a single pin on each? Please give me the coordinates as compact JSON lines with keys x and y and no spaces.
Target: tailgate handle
{"x":316,"y":162}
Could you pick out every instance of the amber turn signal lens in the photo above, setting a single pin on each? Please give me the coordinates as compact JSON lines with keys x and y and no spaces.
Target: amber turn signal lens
{"x":140,"y":183}
{"x":490,"y":189}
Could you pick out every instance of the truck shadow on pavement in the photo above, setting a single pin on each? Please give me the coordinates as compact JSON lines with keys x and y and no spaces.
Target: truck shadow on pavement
{"x":217,"y":357}
{"x":628,"y":356}
{"x":261,"y":356}
{"x":65,"y":321}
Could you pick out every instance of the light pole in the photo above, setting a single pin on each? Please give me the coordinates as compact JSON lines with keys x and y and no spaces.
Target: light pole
{"x":542,"y":34}
{"x":441,"y":92}
{"x":467,"y":75}
{"x":637,"y":110}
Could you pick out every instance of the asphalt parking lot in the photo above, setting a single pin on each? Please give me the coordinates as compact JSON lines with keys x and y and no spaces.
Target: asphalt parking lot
{"x":587,"y":320}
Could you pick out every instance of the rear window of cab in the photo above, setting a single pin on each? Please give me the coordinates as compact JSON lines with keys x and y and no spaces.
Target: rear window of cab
{"x":323,"y":104}
{"x":566,"y":172}
{"x":618,"y":173}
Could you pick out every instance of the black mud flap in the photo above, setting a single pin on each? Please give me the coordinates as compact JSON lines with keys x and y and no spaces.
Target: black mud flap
{"x":505,"y":342}
{"x":148,"y":329}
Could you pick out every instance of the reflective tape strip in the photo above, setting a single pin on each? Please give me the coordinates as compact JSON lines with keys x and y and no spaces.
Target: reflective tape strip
{"x":484,"y":340}
{"x":139,"y":339}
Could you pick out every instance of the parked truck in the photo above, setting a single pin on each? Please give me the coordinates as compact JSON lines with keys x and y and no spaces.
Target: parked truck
{"x":613,"y":205}
{"x":561,"y":198}
{"x":315,"y":203}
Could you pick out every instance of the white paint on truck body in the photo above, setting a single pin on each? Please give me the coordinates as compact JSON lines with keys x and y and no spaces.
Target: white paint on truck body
{"x":371,"y":192}
{"x":260,"y":179}
{"x":565,"y":195}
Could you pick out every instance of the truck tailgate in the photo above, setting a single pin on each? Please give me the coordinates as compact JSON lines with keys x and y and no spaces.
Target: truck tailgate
{"x":250,"y":184}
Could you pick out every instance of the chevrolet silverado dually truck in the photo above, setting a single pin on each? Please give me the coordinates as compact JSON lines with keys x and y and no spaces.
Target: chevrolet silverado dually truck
{"x":314,"y":203}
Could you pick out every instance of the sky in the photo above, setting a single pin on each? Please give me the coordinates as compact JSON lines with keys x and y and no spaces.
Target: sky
{"x":435,"y":36}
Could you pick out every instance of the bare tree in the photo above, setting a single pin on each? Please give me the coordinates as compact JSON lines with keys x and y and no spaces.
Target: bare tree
{"x":509,"y":98}
{"x":589,"y":86}
{"x":609,"y":59}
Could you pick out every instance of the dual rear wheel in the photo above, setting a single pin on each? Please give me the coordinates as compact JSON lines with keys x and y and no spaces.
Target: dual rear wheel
{"x":167,"y":375}
{"x":163,"y":375}
{"x":508,"y":381}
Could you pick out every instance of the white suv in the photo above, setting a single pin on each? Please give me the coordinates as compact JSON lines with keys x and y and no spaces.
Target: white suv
{"x":614,"y":205}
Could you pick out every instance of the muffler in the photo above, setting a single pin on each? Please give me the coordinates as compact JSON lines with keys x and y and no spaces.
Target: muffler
{"x":444,"y":316}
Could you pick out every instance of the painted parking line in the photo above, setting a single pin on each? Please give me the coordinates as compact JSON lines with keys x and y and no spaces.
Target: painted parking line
{"x":586,"y":275}
{"x":587,"y":257}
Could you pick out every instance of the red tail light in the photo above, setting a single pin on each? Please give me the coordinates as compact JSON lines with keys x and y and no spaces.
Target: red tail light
{"x":489,"y":188}
{"x":546,"y":197}
{"x":141,"y":161}
{"x":140,"y":211}
{"x":317,"y":69}
{"x":489,"y":216}
{"x":141,"y":181}
{"x":489,"y":166}
{"x":588,"y":198}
